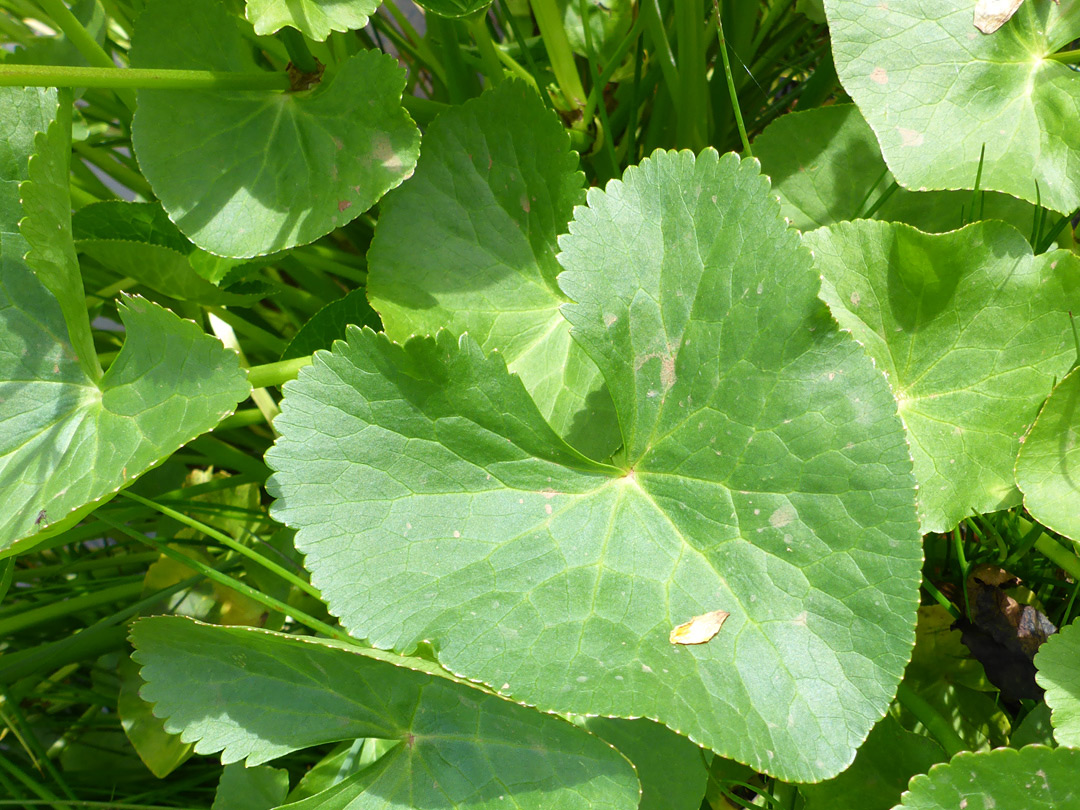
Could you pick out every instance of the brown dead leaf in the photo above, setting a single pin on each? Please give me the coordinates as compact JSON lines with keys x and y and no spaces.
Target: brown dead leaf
{"x":699,"y":629}
{"x":990,"y":15}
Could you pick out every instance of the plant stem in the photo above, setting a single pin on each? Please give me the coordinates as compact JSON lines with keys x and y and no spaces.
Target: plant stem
{"x":228,"y":542}
{"x":1053,"y":551}
{"x":276,"y":374}
{"x":1065,"y":57}
{"x":930,"y":717}
{"x":134,"y":78}
{"x":550,"y":23}
{"x":84,"y":41}
{"x":488,"y":56}
{"x":731,"y":82}
{"x":692,"y":89}
{"x":299,"y":52}
{"x":654,"y":24}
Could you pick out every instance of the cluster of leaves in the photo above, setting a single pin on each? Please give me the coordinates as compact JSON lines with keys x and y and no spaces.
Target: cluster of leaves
{"x":491,"y":434}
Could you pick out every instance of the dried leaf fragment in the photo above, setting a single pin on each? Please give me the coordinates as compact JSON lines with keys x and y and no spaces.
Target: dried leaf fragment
{"x":990,"y":15}
{"x":699,"y":629}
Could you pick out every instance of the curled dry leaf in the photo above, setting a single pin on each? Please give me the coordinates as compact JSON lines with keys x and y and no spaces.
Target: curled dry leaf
{"x":699,"y":629}
{"x":990,"y":15}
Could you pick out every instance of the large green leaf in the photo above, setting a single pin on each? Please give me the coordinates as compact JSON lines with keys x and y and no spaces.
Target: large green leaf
{"x":1058,"y":675}
{"x":262,"y":695}
{"x":1033,"y":778}
{"x":453,"y":8}
{"x":971,"y":330}
{"x":469,"y":243}
{"x":67,"y":442}
{"x":313,"y":18}
{"x":937,"y":92}
{"x":245,"y":173}
{"x":826,"y":167}
{"x":766,"y":475}
{"x":1047,"y":467}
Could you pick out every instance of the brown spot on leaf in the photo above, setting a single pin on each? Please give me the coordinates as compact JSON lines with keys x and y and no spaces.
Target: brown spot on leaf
{"x":343,"y":205}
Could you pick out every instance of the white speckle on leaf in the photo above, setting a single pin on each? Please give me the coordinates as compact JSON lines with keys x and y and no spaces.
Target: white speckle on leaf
{"x":547,"y":508}
{"x":879,"y":75}
{"x":609,"y":320}
{"x":457,"y":533}
{"x":910,"y":137}
{"x":699,"y":629}
{"x":582,"y":678}
{"x":855,"y":299}
{"x":646,"y":668}
{"x":782,"y":516}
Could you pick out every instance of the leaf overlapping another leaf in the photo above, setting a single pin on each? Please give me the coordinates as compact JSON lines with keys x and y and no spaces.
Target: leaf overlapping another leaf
{"x":971,"y":329}
{"x":764,"y":473}
{"x":263,"y":695}
{"x":936,"y":92}
{"x":244,"y":172}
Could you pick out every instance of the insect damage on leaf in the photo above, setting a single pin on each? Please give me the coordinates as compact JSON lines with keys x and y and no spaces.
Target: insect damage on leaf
{"x":990,"y":15}
{"x":699,"y":629}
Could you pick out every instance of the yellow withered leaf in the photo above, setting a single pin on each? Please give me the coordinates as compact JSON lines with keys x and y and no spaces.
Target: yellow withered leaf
{"x":699,"y":629}
{"x":990,"y":15}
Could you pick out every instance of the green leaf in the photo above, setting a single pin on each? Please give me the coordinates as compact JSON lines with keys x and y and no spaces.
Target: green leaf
{"x":469,"y":243}
{"x":1045,"y":470}
{"x":58,"y":49}
{"x":936,"y":91}
{"x":258,"y":788}
{"x":160,"y":751}
{"x":671,"y":768}
{"x":46,"y":203}
{"x":826,"y":166}
{"x":328,"y":324}
{"x":1034,"y":729}
{"x":453,"y":8}
{"x":1058,"y":675}
{"x":67,"y":443}
{"x":457,"y":747}
{"x":609,"y":23}
{"x":766,"y":475}
{"x":881,"y":771}
{"x":1033,"y":778}
{"x":245,"y":173}
{"x":313,"y":18}
{"x":971,"y":330}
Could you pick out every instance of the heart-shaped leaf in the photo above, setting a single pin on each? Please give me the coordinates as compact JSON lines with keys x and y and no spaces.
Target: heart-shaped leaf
{"x":971,"y":329}
{"x":937,"y":92}
{"x":469,"y":243}
{"x":765,"y":474}
{"x":263,"y":695}
{"x":247,"y":172}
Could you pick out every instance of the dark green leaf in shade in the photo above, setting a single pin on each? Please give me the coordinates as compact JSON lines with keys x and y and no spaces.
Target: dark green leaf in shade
{"x":885,"y":763}
{"x":263,"y":695}
{"x":971,"y":329}
{"x":826,"y":167}
{"x":313,"y":18}
{"x":1048,"y":467}
{"x":765,"y":474}
{"x":936,"y":92}
{"x":469,"y":243}
{"x":671,"y":768}
{"x":1034,"y":729}
{"x":1033,"y":778}
{"x":246,"y":173}
{"x":1058,"y":674}
{"x":328,"y":324}
{"x":258,"y":788}
{"x":160,"y":751}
